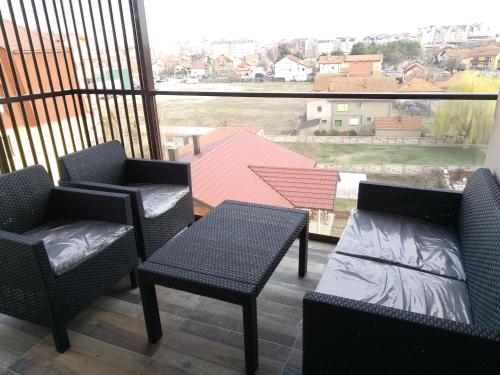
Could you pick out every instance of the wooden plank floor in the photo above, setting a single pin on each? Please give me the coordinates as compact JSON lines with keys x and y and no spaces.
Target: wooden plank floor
{"x":200,"y":335}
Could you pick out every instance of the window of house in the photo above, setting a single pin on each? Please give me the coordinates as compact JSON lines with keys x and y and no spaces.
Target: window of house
{"x":342,"y":107}
{"x":324,"y":121}
{"x":369,"y":120}
{"x":354,"y":121}
{"x":338,"y":123}
{"x":319,"y":109}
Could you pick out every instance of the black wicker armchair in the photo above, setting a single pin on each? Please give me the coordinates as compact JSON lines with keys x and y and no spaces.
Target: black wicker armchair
{"x":350,"y":330}
{"x":160,"y":191}
{"x":60,"y":248}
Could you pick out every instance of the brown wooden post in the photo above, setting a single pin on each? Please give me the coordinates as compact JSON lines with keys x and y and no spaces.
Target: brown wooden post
{"x":147,"y":80}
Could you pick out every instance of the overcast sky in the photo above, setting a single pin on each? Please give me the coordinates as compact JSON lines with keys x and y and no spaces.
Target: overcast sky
{"x":277,"y":19}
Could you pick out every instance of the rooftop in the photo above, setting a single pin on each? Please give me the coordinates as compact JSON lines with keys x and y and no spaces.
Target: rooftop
{"x":398,"y":123}
{"x":336,"y":83}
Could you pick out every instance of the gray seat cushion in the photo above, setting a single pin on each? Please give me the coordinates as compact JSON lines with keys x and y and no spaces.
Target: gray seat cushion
{"x":159,"y":198}
{"x":403,"y":241}
{"x":398,"y":287}
{"x":69,"y":244}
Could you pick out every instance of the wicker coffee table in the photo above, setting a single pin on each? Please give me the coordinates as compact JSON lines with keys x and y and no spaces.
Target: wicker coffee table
{"x":227,"y":255}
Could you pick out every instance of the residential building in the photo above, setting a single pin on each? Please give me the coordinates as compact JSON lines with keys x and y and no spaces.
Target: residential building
{"x":351,"y":65}
{"x":435,"y":34}
{"x":224,"y":66}
{"x":344,"y":44}
{"x":290,"y":68}
{"x":201,"y":69}
{"x":349,"y":114}
{"x":399,"y":126}
{"x":238,"y":48}
{"x":389,"y":38}
{"x":407,"y":71}
{"x":484,"y":58}
{"x":307,"y":47}
{"x":247,"y":167}
{"x":420,"y":85}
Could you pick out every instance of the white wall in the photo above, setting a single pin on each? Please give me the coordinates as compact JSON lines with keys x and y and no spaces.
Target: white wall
{"x":329,"y":68}
{"x":290,"y":70}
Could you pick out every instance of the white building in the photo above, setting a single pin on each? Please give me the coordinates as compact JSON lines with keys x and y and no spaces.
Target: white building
{"x":238,"y":48}
{"x":451,"y":34}
{"x":290,"y":68}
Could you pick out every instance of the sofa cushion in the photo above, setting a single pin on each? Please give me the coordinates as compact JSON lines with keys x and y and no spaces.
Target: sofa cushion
{"x":159,"y":198}
{"x":398,"y":287}
{"x":403,"y":241}
{"x":69,"y":244}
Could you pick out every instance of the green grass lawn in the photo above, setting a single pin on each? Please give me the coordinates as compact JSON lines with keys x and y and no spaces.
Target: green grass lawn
{"x":342,"y":204}
{"x":275,"y":116}
{"x":371,"y":154}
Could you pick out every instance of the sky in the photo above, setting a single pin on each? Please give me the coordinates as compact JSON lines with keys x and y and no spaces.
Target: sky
{"x":276,"y":19}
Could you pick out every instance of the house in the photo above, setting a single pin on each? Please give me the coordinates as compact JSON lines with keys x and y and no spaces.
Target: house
{"x":399,"y":126}
{"x":40,"y":81}
{"x":183,"y":68}
{"x":327,"y":46}
{"x":420,"y":85}
{"x":412,"y":69}
{"x":484,"y":58}
{"x":224,"y":66}
{"x":245,"y":72}
{"x":249,"y":168}
{"x":351,"y":65}
{"x":200,"y":69}
{"x":349,"y":114}
{"x":290,"y":68}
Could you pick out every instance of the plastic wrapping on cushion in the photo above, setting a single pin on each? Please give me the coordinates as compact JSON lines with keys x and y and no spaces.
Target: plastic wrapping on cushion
{"x":397,"y":287}
{"x":405,"y":241}
{"x":159,"y":198}
{"x":69,"y":244}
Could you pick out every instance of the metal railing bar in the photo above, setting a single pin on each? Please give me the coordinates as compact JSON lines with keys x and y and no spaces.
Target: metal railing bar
{"x":58,"y":73}
{"x":10,"y":164}
{"x":131,"y":79}
{"x":68,"y":73}
{"x":77,"y":85}
{"x":80,"y":55}
{"x":30,"y":87}
{"x":120,"y":75}
{"x":110,"y":69}
{"x":92,"y":70}
{"x":47,"y":69}
{"x":101,"y":72}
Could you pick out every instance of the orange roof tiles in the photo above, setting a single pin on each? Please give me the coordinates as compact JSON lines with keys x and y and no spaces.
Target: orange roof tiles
{"x":331,"y":60}
{"x":398,"y":123}
{"x":298,"y":61}
{"x":420,"y":85}
{"x":35,"y":37}
{"x":302,"y":187}
{"x":359,"y":69}
{"x":227,"y":172}
{"x":362,"y":84}
{"x":372,"y":58}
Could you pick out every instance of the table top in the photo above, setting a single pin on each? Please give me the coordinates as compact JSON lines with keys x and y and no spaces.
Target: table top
{"x":239,"y":243}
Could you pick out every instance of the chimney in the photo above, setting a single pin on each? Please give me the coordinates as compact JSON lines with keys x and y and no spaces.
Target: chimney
{"x":196,"y":144}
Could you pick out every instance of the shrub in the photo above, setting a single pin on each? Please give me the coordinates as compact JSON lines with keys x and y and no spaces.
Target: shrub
{"x":353,"y":133}
{"x":334,"y":132}
{"x":317,"y":132}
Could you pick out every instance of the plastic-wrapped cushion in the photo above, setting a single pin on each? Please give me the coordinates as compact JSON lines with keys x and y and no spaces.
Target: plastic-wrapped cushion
{"x":69,"y":244}
{"x":404,"y":241}
{"x":398,"y":287}
{"x":159,"y":198}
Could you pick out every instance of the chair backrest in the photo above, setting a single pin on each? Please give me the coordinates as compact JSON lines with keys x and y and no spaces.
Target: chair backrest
{"x":104,"y":163}
{"x":479,"y":228}
{"x":24,"y":199}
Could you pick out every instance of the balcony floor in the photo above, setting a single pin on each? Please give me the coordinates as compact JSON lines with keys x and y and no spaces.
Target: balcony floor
{"x":200,"y":335}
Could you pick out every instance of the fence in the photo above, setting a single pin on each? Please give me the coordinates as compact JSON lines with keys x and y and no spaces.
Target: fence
{"x":396,"y":169}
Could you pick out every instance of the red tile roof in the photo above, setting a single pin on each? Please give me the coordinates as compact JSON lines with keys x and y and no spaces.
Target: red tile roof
{"x":298,"y":61}
{"x":372,"y":58}
{"x":337,"y":83}
{"x":331,"y":59}
{"x":398,"y":123}
{"x":302,"y":187}
{"x":35,"y":37}
{"x":227,"y":172}
{"x":420,"y":85}
{"x":359,"y":69}
{"x":211,"y":140}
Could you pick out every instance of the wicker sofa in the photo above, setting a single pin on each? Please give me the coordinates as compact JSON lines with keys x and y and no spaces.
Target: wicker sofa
{"x":413,"y":286}
{"x":160,"y":191}
{"x":60,"y":248}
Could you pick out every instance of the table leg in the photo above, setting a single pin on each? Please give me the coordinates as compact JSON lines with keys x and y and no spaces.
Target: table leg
{"x":151,"y":313}
{"x":250,"y":333}
{"x":304,"y":239}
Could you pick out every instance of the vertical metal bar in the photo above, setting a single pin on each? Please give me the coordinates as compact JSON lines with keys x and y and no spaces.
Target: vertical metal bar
{"x":68,"y":73}
{"x":18,"y":90}
{"x":58,"y":73}
{"x":139,"y":67}
{"x":47,"y":68}
{"x":7,"y":161}
{"x":101,"y":71}
{"x":110,"y":68}
{"x":73,"y":62}
{"x":120,"y":74}
{"x":82,"y":66}
{"x":92,"y":71}
{"x":147,"y":79}
{"x":129,"y":68}
{"x":28,"y":82}
{"x":38,"y":77}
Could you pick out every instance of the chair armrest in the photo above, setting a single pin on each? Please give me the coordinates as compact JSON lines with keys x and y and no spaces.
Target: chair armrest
{"x":342,"y":334}
{"x":92,"y":205}
{"x":24,"y":263}
{"x":158,"y":171}
{"x":437,"y":206}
